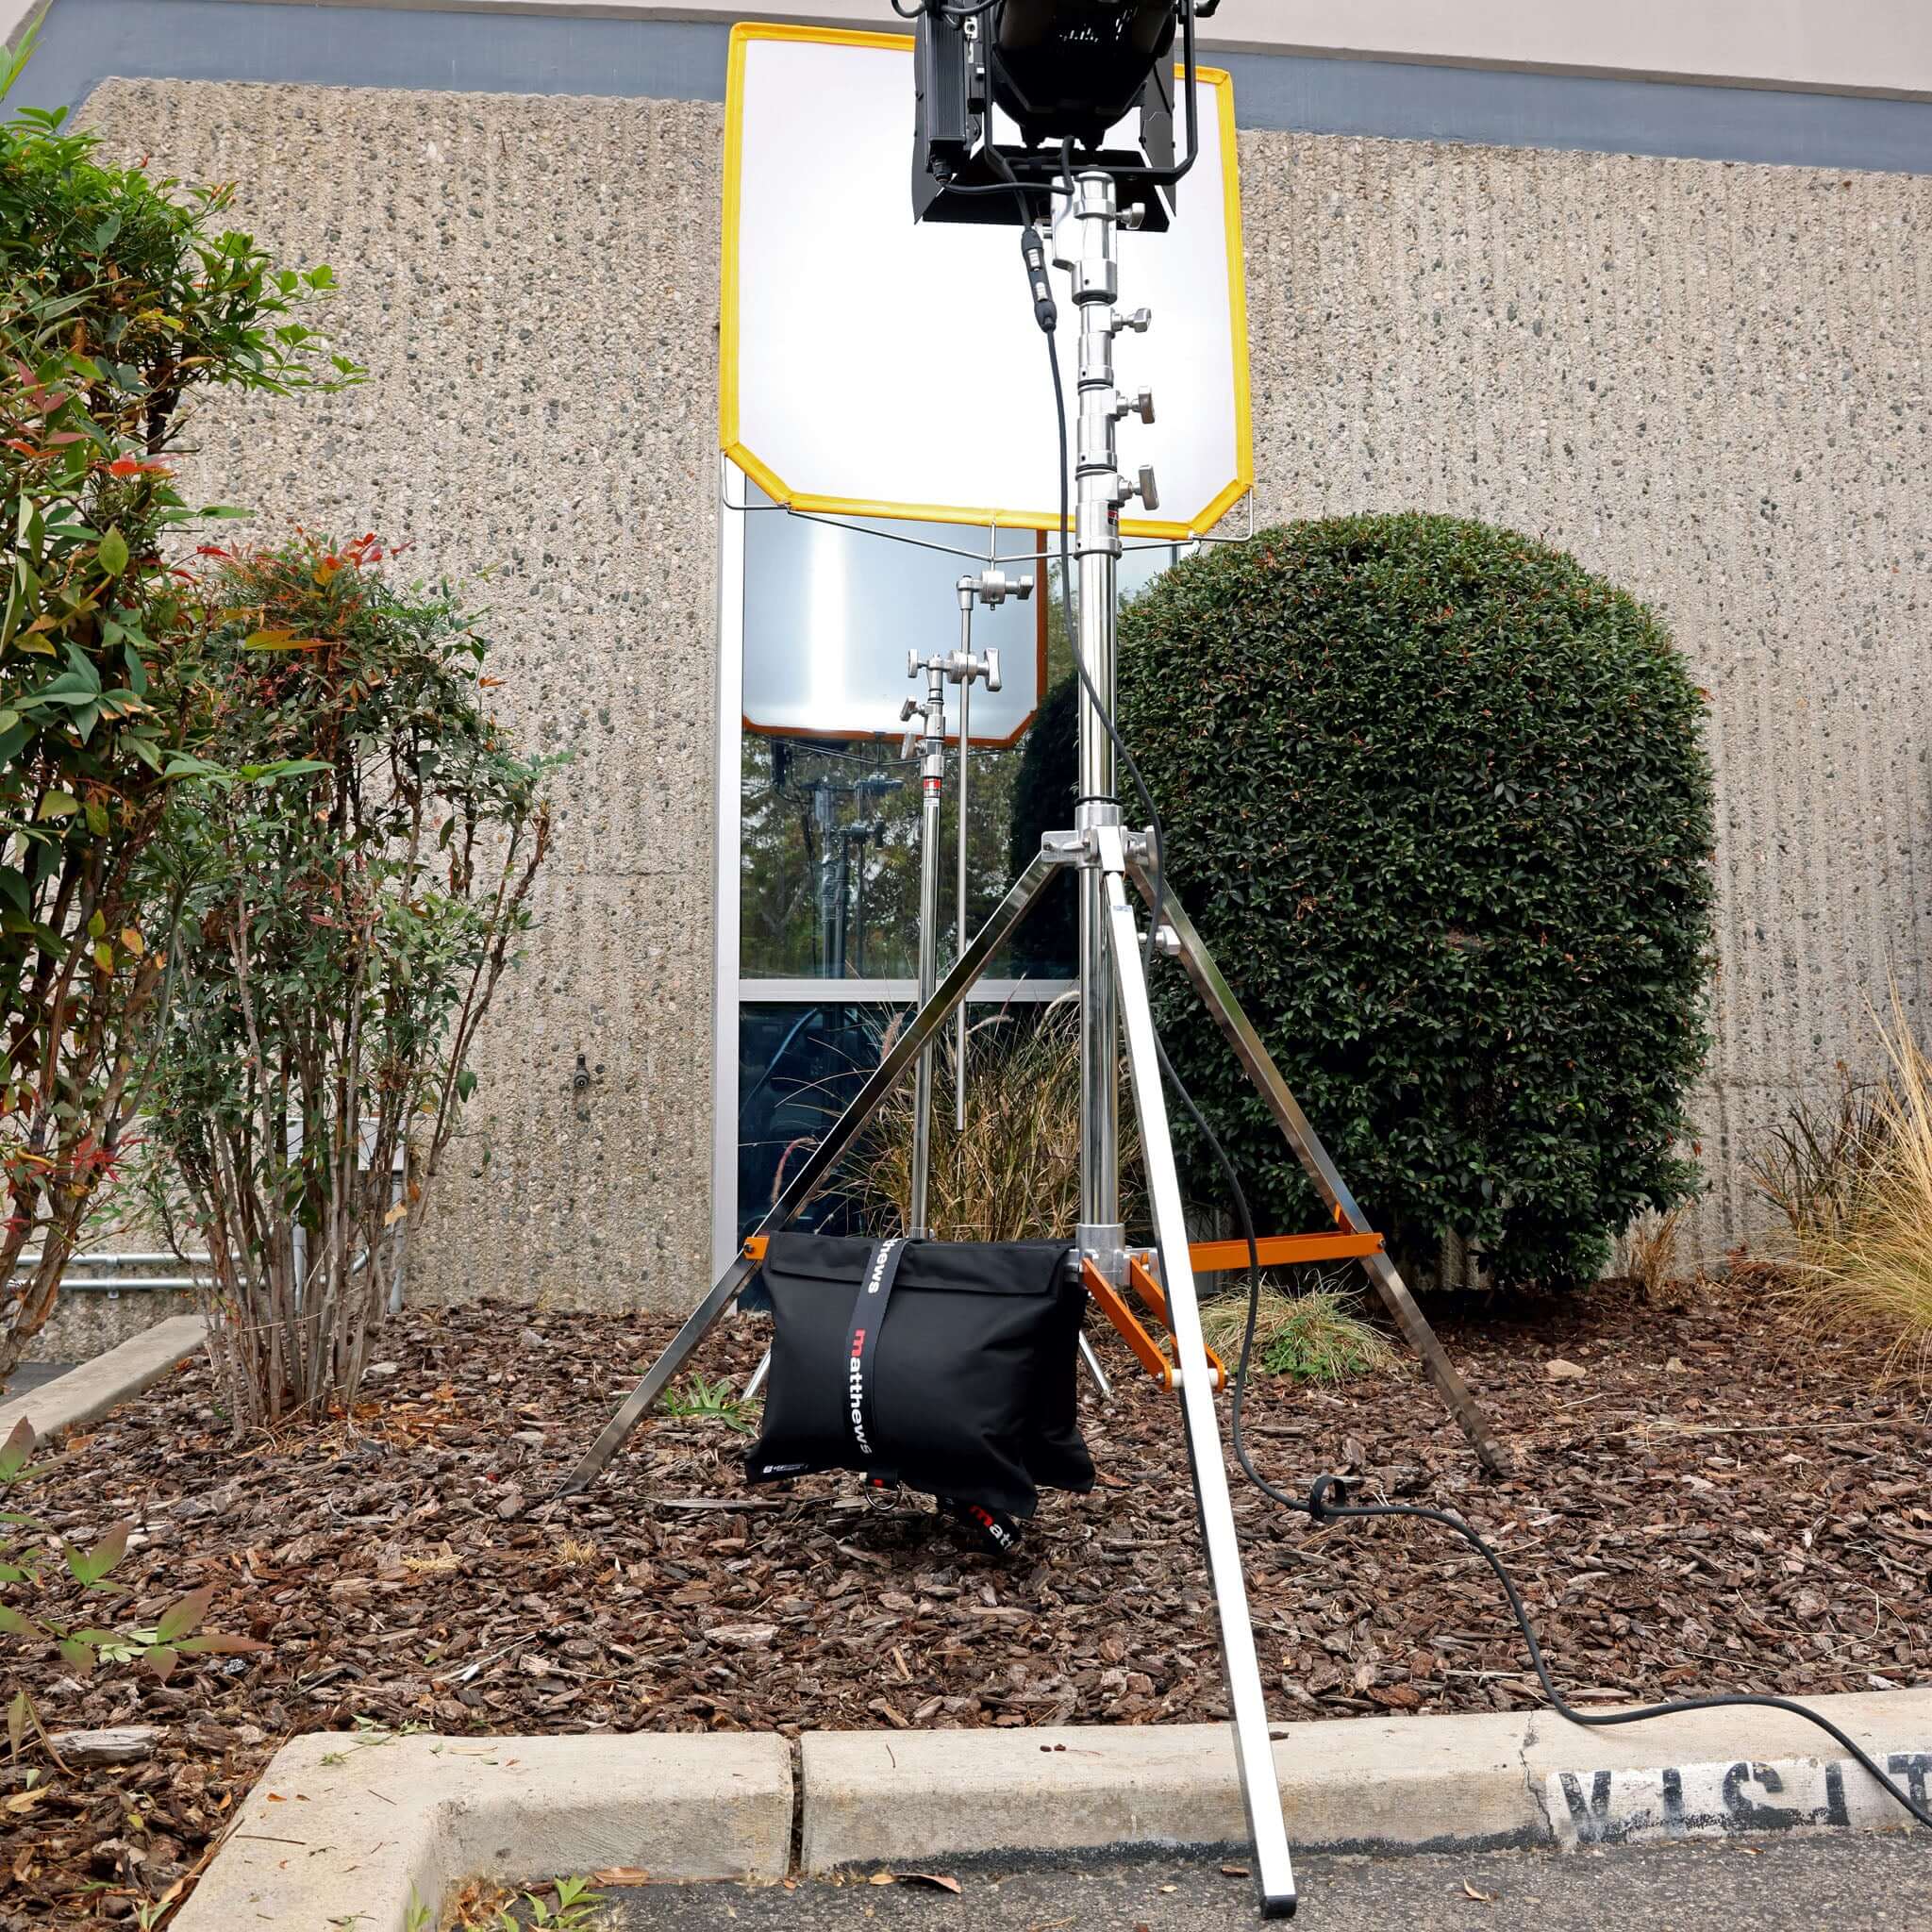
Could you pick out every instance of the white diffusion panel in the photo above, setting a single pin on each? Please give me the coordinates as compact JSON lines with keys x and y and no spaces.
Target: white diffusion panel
{"x":879,"y":366}
{"x":830,"y":614}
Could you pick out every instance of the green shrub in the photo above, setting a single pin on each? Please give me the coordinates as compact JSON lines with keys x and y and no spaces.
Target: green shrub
{"x":345,"y":927}
{"x":121,"y":299}
{"x":1438,"y":799}
{"x":1043,"y":794}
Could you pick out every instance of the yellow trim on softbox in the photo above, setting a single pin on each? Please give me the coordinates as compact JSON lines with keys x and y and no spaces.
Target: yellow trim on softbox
{"x":781,"y":491}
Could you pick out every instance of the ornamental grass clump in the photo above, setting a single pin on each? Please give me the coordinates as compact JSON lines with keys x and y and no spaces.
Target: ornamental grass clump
{"x":1861,"y":1247}
{"x":1309,"y":1334}
{"x":1814,"y":1165}
{"x":352,"y":878}
{"x":1437,"y":798}
{"x":121,"y":298}
{"x":1014,"y":1174}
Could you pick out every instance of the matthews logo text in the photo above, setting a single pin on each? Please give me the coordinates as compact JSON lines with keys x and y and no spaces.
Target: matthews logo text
{"x":878,"y":1275}
{"x":855,"y":1390}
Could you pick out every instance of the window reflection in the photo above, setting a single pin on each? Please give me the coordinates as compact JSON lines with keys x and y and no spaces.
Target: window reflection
{"x":829,"y":827}
{"x":830,"y":612}
{"x":798,"y":1068}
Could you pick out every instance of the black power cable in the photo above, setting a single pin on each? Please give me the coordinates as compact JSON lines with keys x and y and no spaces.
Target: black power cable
{"x":1316,"y":1505}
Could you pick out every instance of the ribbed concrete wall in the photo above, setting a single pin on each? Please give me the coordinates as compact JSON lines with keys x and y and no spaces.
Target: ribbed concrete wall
{"x":533,"y":286}
{"x":1707,"y":381}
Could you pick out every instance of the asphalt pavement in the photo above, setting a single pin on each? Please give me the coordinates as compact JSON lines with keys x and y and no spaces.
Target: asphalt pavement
{"x":1786,"y":1882}
{"x":31,"y":1375}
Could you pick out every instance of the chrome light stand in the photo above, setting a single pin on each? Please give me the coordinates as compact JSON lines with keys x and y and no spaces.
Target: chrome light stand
{"x":930,"y":732}
{"x":992,"y":588}
{"x":1111,"y":859}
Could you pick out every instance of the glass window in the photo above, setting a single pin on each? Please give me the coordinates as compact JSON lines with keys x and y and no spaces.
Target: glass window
{"x":798,"y":1065}
{"x":827,"y":860}
{"x":830,"y":612}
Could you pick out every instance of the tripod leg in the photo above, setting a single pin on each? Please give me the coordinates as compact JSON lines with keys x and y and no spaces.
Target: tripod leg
{"x":1093,"y":1369}
{"x":758,"y":1377}
{"x":643,"y":1398}
{"x":923,"y":1026}
{"x":1219,"y":999}
{"x":1255,"y":1755}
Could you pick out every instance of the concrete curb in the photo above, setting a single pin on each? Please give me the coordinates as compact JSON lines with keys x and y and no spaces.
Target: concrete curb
{"x":346,"y":1827}
{"x":87,"y":1393}
{"x":342,"y":1830}
{"x":873,"y":1798}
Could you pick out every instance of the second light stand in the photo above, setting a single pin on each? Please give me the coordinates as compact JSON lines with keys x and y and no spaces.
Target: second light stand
{"x":992,"y":587}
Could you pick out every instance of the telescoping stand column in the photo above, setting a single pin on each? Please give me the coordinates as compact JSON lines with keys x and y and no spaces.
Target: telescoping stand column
{"x":930,"y":735}
{"x":1114,"y":861}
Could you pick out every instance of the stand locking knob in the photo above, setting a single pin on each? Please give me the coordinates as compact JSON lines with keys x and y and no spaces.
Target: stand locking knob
{"x":994,"y":586}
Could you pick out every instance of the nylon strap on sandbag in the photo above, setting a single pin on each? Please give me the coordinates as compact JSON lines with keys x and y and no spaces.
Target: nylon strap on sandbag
{"x":862,"y":1347}
{"x":997,"y":1531}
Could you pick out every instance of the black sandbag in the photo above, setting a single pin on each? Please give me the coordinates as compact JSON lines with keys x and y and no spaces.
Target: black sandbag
{"x":969,"y":1383}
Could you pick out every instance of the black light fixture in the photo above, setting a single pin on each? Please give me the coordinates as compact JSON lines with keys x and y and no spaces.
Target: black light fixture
{"x":1068,"y":70}
{"x":1059,"y":71}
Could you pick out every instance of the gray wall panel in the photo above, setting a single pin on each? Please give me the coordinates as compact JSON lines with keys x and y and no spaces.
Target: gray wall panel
{"x":533,"y":285}
{"x":84,"y":42}
{"x":1707,"y":381}
{"x":1415,"y":101}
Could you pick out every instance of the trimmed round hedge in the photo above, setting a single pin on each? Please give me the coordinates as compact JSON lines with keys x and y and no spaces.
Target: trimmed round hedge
{"x":1438,"y":799}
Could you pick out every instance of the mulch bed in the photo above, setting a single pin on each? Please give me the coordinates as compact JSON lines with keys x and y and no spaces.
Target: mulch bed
{"x":1716,"y":1503}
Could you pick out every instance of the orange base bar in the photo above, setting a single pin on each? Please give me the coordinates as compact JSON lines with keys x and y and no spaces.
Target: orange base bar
{"x":1215,"y":1257}
{"x":1147,"y":1286}
{"x":1282,"y":1251}
{"x":1113,"y":1305}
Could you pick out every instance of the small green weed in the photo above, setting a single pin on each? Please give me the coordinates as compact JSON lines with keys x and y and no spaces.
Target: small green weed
{"x":576,"y":1907}
{"x":699,"y":1396}
{"x":370,"y":1733}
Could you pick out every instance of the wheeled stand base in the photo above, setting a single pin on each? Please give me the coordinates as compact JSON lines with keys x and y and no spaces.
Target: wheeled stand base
{"x":1120,"y":860}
